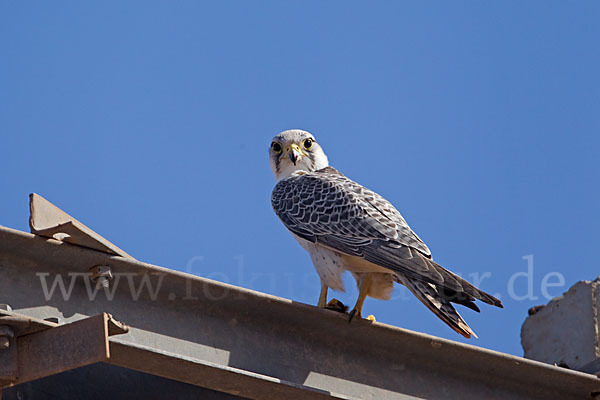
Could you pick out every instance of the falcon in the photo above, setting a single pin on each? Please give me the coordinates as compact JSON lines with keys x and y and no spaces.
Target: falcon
{"x":347,"y":227}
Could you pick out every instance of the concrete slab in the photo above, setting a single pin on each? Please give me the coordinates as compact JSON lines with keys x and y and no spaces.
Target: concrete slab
{"x":565,"y":331}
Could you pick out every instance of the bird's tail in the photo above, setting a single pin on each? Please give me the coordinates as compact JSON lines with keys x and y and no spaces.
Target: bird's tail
{"x":439,"y":304}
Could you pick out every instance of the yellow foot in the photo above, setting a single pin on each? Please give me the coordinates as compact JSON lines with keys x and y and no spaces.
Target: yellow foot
{"x":356,"y":313}
{"x":336,"y":305}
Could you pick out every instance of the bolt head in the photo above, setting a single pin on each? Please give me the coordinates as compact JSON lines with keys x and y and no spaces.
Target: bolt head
{"x":6,"y":331}
{"x":101,"y":273}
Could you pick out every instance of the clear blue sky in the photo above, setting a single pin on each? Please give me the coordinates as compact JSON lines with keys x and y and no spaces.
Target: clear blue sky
{"x":150,"y":122}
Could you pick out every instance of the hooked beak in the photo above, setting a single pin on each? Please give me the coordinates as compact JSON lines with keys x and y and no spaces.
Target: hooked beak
{"x":294,"y":153}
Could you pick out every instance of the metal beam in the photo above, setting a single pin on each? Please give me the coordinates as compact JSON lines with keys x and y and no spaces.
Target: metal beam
{"x":239,"y":333}
{"x":43,"y":348}
{"x":209,"y":375}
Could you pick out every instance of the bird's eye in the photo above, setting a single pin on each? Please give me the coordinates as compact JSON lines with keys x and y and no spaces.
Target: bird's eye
{"x":276,"y":147}
{"x":308,"y":143}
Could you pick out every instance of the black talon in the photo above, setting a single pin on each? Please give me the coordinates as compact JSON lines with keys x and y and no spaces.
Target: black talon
{"x":352,"y":314}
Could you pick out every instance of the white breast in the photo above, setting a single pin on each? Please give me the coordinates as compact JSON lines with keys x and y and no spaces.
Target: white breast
{"x":328,"y":263}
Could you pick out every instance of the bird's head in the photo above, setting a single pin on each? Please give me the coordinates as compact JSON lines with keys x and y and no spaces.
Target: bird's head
{"x":295,"y":150}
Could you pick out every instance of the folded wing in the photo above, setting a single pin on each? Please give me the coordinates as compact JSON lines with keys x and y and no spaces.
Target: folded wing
{"x":327,"y":208}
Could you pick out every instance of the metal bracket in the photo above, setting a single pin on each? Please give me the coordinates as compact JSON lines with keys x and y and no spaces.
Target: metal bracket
{"x":50,"y":221}
{"x":40,"y":348}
